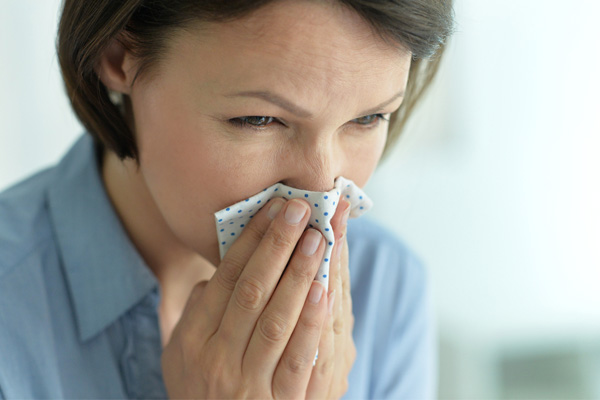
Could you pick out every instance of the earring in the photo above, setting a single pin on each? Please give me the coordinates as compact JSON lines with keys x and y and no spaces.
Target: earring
{"x":117,"y":99}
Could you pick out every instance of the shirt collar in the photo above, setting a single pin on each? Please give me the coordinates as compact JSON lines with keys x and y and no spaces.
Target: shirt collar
{"x":105,"y":273}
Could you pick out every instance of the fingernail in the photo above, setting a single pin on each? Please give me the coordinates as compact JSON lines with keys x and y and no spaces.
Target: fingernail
{"x":311,"y":241}
{"x":316,"y":292}
{"x":346,"y":214}
{"x":345,"y":217}
{"x":275,"y":208}
{"x":295,"y":212}
{"x":349,"y":205}
{"x":330,"y":301}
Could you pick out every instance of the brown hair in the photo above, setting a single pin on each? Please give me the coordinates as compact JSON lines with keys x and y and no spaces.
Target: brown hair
{"x":143,"y":26}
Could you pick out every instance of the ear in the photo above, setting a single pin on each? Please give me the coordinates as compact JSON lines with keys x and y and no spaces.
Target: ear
{"x":116,"y":68}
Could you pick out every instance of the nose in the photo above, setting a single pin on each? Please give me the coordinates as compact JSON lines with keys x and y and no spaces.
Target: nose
{"x":312,"y":166}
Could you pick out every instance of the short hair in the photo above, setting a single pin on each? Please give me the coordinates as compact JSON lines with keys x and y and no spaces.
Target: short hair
{"x":87,"y":27}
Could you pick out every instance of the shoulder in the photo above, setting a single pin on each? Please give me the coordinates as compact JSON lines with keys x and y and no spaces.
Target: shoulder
{"x":389,"y":282}
{"x":394,"y":331}
{"x":24,"y":220}
{"x":370,"y":235}
{"x":377,"y":253}
{"x":31,"y":287}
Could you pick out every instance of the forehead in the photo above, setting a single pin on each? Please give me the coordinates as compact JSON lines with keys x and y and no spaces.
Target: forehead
{"x":298,"y":43}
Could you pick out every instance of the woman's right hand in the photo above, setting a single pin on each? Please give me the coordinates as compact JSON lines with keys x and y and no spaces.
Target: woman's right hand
{"x":252,"y":331}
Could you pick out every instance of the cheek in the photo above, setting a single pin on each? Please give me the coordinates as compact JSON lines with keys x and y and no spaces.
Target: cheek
{"x":190,"y":169}
{"x":363,"y":160}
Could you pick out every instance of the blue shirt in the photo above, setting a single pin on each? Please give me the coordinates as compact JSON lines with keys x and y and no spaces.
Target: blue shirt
{"x":78,"y":305}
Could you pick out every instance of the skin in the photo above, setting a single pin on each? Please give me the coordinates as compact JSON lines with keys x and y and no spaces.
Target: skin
{"x":194,"y":162}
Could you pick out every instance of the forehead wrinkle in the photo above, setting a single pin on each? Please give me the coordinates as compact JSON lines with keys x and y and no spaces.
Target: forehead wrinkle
{"x":312,"y":63}
{"x":339,"y":75}
{"x":303,"y":82}
{"x":334,"y":67}
{"x":325,"y":90}
{"x":273,"y":30}
{"x":320,"y":89}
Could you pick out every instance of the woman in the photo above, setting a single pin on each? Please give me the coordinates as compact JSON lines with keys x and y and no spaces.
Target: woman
{"x":110,"y":271}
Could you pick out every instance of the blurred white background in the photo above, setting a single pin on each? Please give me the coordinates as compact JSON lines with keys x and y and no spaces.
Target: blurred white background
{"x":497,"y":177}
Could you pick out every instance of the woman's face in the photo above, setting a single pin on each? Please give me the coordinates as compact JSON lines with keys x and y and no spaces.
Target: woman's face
{"x":308,"y":79}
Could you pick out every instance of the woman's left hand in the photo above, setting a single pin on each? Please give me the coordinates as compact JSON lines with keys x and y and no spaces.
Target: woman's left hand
{"x":336,"y":347}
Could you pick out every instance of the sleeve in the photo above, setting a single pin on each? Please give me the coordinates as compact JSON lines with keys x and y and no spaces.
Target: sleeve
{"x":408,"y":366}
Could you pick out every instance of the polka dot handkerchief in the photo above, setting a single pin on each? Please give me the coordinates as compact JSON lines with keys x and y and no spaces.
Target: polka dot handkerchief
{"x":232,"y":220}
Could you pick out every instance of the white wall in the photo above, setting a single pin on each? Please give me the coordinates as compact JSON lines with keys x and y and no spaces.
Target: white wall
{"x":500,"y":175}
{"x":36,"y":121}
{"x":497,"y":181}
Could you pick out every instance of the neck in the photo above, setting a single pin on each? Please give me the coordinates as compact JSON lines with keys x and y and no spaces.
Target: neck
{"x":176,"y":267}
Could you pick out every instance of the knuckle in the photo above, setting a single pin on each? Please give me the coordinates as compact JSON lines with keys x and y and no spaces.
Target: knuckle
{"x":310,"y":325}
{"x":279,"y":241}
{"x":273,"y":328}
{"x":280,"y":389}
{"x":254,"y":232}
{"x":338,"y":326}
{"x":229,"y":273}
{"x":249,"y":294}
{"x":324,"y":366}
{"x":222,"y":336}
{"x":329,"y":324}
{"x":297,"y":363}
{"x":300,"y":275}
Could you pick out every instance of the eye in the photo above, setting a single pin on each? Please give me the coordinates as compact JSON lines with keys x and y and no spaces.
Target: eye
{"x":255,"y":122}
{"x":370,"y":120}
{"x":262,"y":122}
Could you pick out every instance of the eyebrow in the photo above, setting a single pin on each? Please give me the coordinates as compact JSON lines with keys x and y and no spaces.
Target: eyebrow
{"x":299,"y":111}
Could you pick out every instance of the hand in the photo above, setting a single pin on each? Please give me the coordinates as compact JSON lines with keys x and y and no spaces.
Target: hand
{"x":336,"y":347}
{"x":251,"y":331}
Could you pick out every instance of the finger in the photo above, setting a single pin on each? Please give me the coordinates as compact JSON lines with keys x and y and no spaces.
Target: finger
{"x":280,"y":317}
{"x":349,"y":354}
{"x":260,"y":277}
{"x":339,"y":322}
{"x":322,"y":372}
{"x":341,"y":329}
{"x":341,"y":221}
{"x":336,"y":273}
{"x":346,"y":282}
{"x":338,"y":223}
{"x":337,"y":220}
{"x":296,"y":363}
{"x":220,"y":287}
